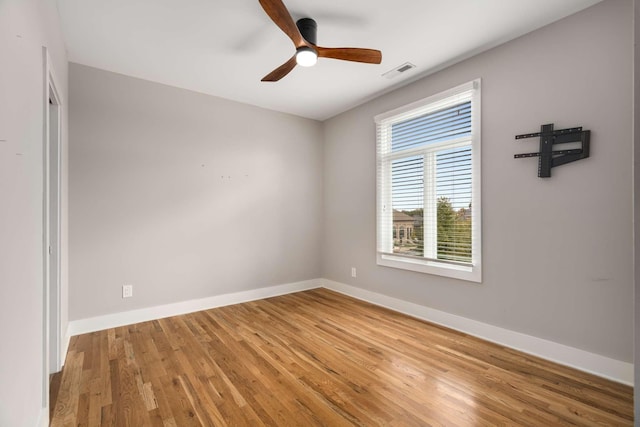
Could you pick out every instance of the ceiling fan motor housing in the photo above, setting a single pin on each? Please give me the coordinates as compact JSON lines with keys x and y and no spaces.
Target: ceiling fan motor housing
{"x":309,"y":30}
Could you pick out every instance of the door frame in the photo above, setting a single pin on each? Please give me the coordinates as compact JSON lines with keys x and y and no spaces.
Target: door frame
{"x":52,"y":209}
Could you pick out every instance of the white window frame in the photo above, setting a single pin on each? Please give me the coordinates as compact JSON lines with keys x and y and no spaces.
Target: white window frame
{"x":385,"y":256}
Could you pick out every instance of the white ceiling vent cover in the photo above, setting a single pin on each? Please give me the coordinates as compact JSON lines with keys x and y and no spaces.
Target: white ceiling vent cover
{"x":399,"y":70}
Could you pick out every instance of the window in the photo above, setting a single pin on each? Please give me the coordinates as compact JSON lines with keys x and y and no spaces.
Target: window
{"x":428,"y":185}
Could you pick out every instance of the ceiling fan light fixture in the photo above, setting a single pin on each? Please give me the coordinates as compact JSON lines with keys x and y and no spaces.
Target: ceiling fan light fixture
{"x":306,"y":56}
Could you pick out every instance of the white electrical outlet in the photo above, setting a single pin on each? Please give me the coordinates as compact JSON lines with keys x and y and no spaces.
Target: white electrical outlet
{"x":353,"y":272}
{"x":127,"y":291}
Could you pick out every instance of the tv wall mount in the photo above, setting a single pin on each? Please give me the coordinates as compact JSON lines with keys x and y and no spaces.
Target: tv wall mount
{"x":547,"y":157}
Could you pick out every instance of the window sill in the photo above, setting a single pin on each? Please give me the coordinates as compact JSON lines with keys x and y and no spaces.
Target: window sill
{"x":470,"y":273}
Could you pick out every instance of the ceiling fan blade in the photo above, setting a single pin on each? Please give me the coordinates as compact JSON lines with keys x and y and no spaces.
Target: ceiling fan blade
{"x":281,"y":71}
{"x":279,"y":14}
{"x":370,"y":56}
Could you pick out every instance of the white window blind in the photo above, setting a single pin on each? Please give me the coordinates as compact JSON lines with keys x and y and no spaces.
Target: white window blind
{"x":428,"y":184}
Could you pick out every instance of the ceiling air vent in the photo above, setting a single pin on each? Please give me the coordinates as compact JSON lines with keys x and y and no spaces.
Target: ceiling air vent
{"x":399,"y":70}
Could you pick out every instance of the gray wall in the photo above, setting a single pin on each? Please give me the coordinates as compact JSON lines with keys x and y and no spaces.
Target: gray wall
{"x":557,"y":252}
{"x":25,"y":27}
{"x":185,"y":195}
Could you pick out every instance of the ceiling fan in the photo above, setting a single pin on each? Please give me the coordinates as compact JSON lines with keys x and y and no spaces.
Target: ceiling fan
{"x":303,"y":34}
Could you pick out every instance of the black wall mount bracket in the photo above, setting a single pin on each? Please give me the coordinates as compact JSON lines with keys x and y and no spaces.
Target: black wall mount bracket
{"x":547,"y":157}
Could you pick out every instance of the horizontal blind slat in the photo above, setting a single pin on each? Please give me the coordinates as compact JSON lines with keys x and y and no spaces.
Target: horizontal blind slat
{"x":433,"y":127}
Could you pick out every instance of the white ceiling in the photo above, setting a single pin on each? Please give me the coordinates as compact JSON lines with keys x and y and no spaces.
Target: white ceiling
{"x":224,"y":47}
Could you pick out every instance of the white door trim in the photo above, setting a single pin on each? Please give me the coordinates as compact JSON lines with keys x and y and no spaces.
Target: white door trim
{"x":51,"y":250}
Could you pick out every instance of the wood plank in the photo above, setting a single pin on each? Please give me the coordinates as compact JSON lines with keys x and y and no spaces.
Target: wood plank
{"x":66,"y":410}
{"x":54,"y":387}
{"x":318,"y":358}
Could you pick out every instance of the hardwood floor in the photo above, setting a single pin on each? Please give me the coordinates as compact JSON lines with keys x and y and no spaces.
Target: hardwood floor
{"x":318,"y":358}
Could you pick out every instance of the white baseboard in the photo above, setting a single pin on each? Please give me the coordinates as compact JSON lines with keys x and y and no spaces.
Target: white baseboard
{"x":596,"y":364}
{"x":99,"y":323}
{"x":64,"y":347}
{"x":43,"y":419}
